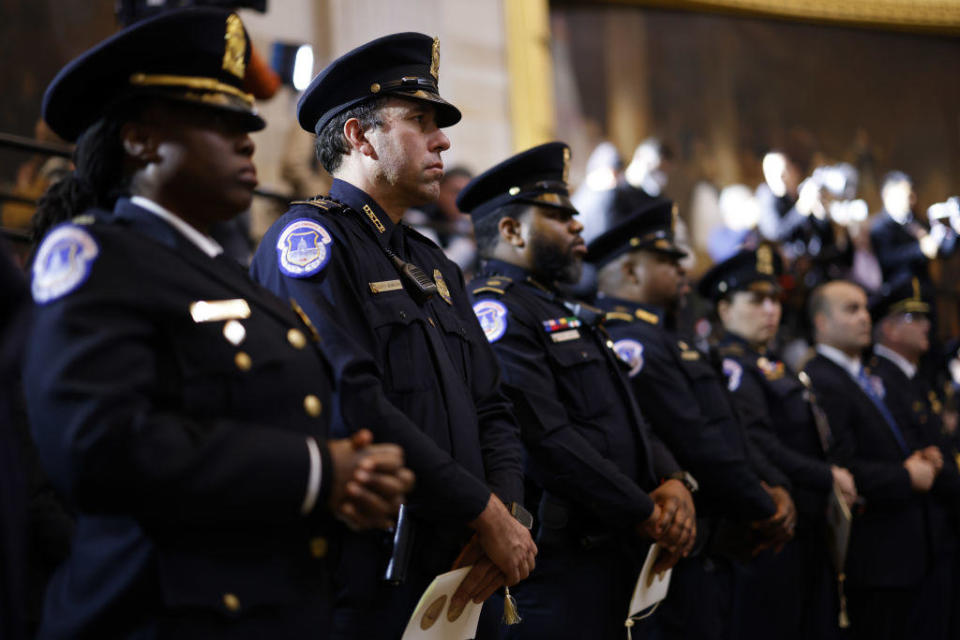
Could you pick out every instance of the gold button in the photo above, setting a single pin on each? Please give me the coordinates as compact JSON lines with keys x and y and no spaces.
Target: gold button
{"x":313,"y":406}
{"x":296,"y":338}
{"x":318,"y":548}
{"x":243,"y":361}
{"x":231,"y":602}
{"x":375,"y":87}
{"x":234,"y":332}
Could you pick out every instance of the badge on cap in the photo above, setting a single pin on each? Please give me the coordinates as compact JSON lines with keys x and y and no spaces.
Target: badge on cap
{"x":764,"y":260}
{"x":304,"y":248}
{"x":235,"y":47}
{"x":493,"y":318}
{"x":631,"y":352}
{"x":63,"y":262}
{"x":734,"y":372}
{"x":435,"y":60}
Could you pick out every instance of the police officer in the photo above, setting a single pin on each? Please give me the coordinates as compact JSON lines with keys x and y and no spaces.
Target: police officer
{"x":790,"y":594}
{"x":685,"y":399}
{"x":901,"y":335}
{"x":592,"y":462}
{"x":181,"y":408}
{"x":359,"y":272}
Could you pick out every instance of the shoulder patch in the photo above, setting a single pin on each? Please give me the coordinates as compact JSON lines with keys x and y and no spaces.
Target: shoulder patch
{"x":493,"y":318}
{"x":63,"y":262}
{"x":303,"y":248}
{"x":631,"y":352}
{"x":734,"y":372}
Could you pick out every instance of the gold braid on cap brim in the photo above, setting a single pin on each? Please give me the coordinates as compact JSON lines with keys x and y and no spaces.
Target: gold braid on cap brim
{"x":190,"y":82}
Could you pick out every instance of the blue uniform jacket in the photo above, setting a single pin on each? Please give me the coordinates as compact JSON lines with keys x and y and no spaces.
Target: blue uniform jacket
{"x":186,"y":461}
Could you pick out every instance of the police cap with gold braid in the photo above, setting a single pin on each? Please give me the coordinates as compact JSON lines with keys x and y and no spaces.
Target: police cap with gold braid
{"x":537,"y":176}
{"x":650,"y":229}
{"x":738,"y":272}
{"x":196,"y":55}
{"x":905,"y":296}
{"x":406,"y":65}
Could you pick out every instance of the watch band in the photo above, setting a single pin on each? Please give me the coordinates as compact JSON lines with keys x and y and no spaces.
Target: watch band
{"x":523,"y":516}
{"x":686,"y":478}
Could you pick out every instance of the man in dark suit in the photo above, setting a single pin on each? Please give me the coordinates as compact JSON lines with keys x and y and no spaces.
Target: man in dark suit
{"x":902,"y":337}
{"x":593,"y":465}
{"x":889,"y":543}
{"x":685,"y":399}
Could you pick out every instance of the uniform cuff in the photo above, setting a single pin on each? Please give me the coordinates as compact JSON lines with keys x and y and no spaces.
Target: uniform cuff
{"x":314,"y":477}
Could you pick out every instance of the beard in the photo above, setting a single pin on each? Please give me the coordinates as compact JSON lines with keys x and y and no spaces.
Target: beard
{"x":555,"y":263}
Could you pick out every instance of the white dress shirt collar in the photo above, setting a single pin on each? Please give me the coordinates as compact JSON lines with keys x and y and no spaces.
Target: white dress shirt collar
{"x":905,"y":365}
{"x":849,"y":364}
{"x":203,"y":242}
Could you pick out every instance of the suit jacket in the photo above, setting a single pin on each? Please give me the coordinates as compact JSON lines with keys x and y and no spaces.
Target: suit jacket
{"x":180,"y":441}
{"x":897,"y":249}
{"x":889,"y":542}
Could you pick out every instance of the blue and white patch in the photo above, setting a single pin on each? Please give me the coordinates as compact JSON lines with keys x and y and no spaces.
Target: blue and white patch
{"x":303,"y":248}
{"x":493,"y":318}
{"x":631,"y":352}
{"x":734,"y":372}
{"x":63,"y":262}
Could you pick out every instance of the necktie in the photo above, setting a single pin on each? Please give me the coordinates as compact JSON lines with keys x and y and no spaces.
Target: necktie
{"x":874,"y":396}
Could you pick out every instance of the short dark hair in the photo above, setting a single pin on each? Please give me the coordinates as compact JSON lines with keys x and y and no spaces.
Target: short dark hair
{"x":332,"y":145}
{"x":486,"y":230}
{"x":894,"y":177}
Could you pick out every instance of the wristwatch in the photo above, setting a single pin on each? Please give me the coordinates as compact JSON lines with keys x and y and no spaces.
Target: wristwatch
{"x":686,"y":478}
{"x":522,"y":515}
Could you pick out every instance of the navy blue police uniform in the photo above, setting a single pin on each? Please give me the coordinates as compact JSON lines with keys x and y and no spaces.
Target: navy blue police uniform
{"x":685,"y":399}
{"x":181,"y":408}
{"x":915,"y":405}
{"x":435,"y":376}
{"x":889,"y":541}
{"x":591,"y":458}
{"x":793,"y":593}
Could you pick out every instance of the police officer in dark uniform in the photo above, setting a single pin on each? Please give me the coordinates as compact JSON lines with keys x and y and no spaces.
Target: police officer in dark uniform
{"x":685,"y":399}
{"x":359,"y":272}
{"x":593,"y":465}
{"x":183,"y":409}
{"x":901,"y":336}
{"x":793,"y":593}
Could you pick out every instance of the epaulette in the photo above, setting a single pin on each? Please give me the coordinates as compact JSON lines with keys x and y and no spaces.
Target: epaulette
{"x":321,"y":202}
{"x":732,"y":349}
{"x":84,"y":219}
{"x":646,"y":316}
{"x":619,"y":315}
{"x":493,"y":284}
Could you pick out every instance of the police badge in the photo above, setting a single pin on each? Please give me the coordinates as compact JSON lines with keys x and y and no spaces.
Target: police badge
{"x":442,"y":287}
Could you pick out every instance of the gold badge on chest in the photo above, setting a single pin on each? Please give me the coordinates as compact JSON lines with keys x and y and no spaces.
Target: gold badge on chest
{"x":442,"y":286}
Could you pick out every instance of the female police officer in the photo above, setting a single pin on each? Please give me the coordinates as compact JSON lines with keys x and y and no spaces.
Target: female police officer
{"x":180,"y":407}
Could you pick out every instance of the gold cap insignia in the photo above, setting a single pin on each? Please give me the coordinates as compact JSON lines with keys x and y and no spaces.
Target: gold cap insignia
{"x":235,"y":47}
{"x":566,"y":164}
{"x":435,"y":60}
{"x":764,"y":260}
{"x":916,"y":289}
{"x":674,"y":212}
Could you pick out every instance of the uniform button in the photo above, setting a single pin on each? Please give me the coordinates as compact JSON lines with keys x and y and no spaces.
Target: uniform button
{"x":296,"y":338}
{"x":231,"y":602}
{"x":234,"y":332}
{"x":313,"y":406}
{"x":609,"y":344}
{"x":403,"y":315}
{"x":243,"y":361}
{"x":318,"y":548}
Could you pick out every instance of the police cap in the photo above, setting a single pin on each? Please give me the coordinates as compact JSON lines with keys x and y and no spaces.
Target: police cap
{"x":905,"y":296}
{"x":537,"y":176}
{"x":649,"y":229}
{"x":738,"y":272}
{"x":196,"y":55}
{"x":403,"y":64}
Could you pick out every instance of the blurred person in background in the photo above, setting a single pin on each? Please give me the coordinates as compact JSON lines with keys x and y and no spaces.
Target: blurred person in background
{"x":445,"y":224}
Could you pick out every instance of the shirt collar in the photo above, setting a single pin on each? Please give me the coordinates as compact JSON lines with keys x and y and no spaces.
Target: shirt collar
{"x":850,"y":365}
{"x":358,"y":200}
{"x":905,"y":365}
{"x":203,"y":242}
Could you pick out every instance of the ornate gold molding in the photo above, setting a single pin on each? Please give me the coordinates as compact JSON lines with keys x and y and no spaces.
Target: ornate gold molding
{"x":935,"y":16}
{"x":530,"y":69}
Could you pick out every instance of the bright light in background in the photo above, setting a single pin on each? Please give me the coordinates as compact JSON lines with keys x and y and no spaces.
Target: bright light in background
{"x":303,"y":67}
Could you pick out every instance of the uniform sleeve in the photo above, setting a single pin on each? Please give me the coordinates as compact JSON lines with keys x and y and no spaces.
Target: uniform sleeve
{"x":348,"y":340}
{"x":711,"y":449}
{"x":879,"y":482}
{"x":750,"y":402}
{"x":112,"y":441}
{"x":561,"y":459}
{"x":500,"y":442}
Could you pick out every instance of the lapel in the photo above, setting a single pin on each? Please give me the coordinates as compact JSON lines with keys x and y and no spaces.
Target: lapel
{"x":222,"y":268}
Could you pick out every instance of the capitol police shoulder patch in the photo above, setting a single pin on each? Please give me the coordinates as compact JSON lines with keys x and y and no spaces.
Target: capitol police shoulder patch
{"x":631,"y":352}
{"x":303,"y":248}
{"x":63,"y":262}
{"x":734,"y":372}
{"x":493,"y":318}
